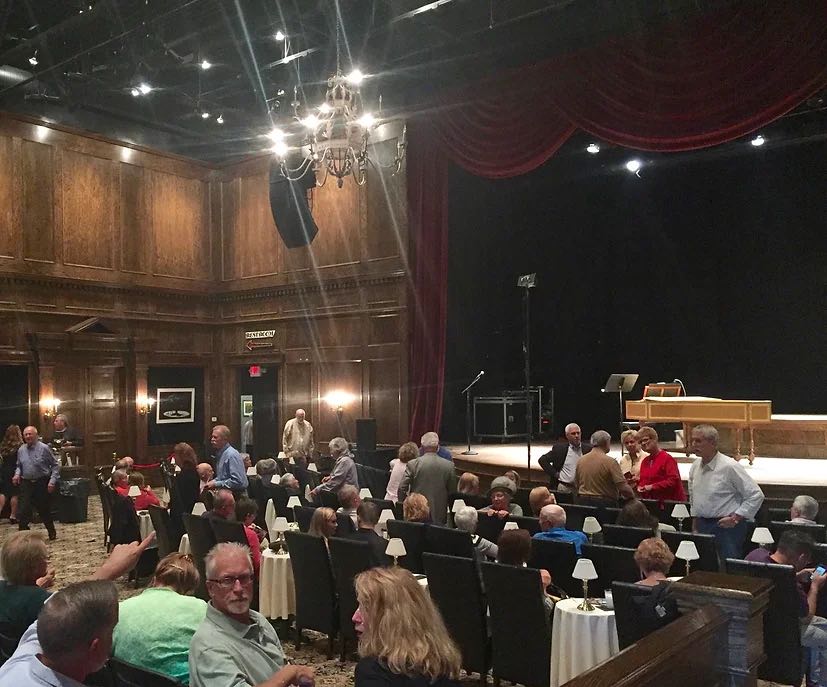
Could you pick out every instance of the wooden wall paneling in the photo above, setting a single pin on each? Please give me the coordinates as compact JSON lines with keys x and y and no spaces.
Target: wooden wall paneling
{"x":385,"y":329}
{"x":332,"y":332}
{"x":69,"y":385}
{"x":37,"y":202}
{"x":296,"y":391}
{"x":387,"y":218}
{"x":229,"y":219}
{"x":10,"y":186}
{"x":135,"y":221}
{"x":338,"y":217}
{"x":215,"y":229}
{"x":105,"y":415}
{"x":88,"y":203}
{"x":257,"y":242}
{"x":385,"y":385}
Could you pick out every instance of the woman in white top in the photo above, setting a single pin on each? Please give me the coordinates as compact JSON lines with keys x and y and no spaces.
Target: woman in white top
{"x":407,"y":452}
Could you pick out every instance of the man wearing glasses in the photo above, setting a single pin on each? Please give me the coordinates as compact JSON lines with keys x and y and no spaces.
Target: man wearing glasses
{"x":235,"y":645}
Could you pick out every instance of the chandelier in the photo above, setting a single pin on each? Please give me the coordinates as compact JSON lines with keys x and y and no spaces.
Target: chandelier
{"x":337,"y":133}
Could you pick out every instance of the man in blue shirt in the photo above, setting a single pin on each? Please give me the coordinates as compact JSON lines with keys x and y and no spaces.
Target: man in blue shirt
{"x":229,"y":466}
{"x":553,"y":526}
{"x":37,"y":473}
{"x":430,"y":444}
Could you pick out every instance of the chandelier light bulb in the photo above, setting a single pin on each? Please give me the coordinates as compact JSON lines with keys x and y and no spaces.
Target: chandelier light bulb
{"x":205,"y":64}
{"x":758,"y":141}
{"x":593,"y":148}
{"x":205,"y":115}
{"x":145,"y":88}
{"x":219,"y":119}
{"x":355,"y":77}
{"x":280,"y":148}
{"x":324,"y":108}
{"x":276,"y":135}
{"x":280,"y":35}
{"x":367,"y":120}
{"x":310,"y":122}
{"x":634,"y":166}
{"x":33,"y":60}
{"x":135,"y":92}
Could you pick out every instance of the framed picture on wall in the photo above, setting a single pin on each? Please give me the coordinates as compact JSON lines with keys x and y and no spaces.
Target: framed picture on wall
{"x":175,"y":406}
{"x":247,"y":408}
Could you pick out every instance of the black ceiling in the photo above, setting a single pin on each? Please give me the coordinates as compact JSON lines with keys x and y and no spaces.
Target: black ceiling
{"x":91,"y":53}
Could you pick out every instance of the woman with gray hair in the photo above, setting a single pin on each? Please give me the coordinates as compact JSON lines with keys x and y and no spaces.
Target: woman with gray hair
{"x":344,"y":469}
{"x":266,"y":469}
{"x":466,"y":521}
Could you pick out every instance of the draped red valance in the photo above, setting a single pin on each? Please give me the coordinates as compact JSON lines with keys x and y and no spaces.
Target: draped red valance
{"x":678,"y":86}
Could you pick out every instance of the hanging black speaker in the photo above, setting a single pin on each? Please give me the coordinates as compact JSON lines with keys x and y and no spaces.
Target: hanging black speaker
{"x":288,"y":203}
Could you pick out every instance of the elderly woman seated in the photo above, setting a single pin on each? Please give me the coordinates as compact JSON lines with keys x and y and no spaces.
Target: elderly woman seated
{"x":323,"y":523}
{"x":501,"y":492}
{"x":466,"y":520}
{"x":468,"y":483}
{"x":415,"y":508}
{"x":267,"y":469}
{"x":24,"y":560}
{"x":146,"y":498}
{"x":654,"y":559}
{"x":290,"y":483}
{"x":155,"y":628}
{"x":539,"y":497}
{"x":120,"y":482}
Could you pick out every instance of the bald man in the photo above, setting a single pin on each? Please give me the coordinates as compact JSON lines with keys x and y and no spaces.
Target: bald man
{"x":36,"y":474}
{"x":553,"y":528}
{"x":297,"y":440}
{"x":561,"y":462}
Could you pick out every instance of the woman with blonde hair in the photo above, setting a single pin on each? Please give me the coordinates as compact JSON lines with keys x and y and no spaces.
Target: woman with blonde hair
{"x":468,"y":483}
{"x":155,"y":628}
{"x":12,"y":440}
{"x":24,"y":560}
{"x":654,"y":559}
{"x":415,"y":508}
{"x":402,"y":638}
{"x":633,"y":456}
{"x":407,"y":452}
{"x":323,"y":523}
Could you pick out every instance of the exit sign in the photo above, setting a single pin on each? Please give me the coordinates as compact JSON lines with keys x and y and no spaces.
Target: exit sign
{"x":255,"y":370}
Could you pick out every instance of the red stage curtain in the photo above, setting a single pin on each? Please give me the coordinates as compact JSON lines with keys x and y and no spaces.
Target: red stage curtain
{"x":678,"y":87}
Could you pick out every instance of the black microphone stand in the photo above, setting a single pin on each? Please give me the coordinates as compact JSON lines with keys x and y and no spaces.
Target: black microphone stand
{"x":467,"y":392}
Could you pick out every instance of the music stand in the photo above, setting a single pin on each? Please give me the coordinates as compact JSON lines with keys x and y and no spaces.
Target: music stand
{"x":620,"y":384}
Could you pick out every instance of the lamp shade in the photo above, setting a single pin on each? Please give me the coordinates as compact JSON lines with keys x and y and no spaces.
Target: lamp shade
{"x":312,"y":467}
{"x":584,"y":570}
{"x":396,"y":547}
{"x":385,"y":515}
{"x":293,"y":501}
{"x":134,"y":491}
{"x":307,"y":492}
{"x":281,"y":525}
{"x":458,"y":505}
{"x":687,"y":551}
{"x":364,"y":493}
{"x":762,"y":536}
{"x":680,"y":511}
{"x":590,"y":525}
{"x":251,"y":471}
{"x":511,"y":526}
{"x":199,"y":508}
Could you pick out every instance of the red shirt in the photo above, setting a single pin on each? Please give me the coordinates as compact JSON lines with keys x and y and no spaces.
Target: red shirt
{"x":145,"y":500}
{"x":255,"y":549}
{"x":661,"y":471}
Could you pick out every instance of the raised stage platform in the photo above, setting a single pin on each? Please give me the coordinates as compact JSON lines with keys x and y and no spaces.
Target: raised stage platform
{"x":778,"y":477}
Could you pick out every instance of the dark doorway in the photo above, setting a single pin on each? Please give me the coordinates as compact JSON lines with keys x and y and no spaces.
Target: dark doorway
{"x":14,"y":396}
{"x":258,"y":402}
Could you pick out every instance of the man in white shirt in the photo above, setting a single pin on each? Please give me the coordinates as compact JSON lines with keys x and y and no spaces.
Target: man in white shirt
{"x":722,"y":495}
{"x":561,"y":462}
{"x":297,"y":440}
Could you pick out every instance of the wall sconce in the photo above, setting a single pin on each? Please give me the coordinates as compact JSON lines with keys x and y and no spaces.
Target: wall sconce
{"x":50,"y":407}
{"x":144,"y":404}
{"x":338,"y":399}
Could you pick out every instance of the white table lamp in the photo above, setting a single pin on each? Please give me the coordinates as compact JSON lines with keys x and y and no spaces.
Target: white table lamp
{"x":591,"y":527}
{"x":199,"y":508}
{"x":307,"y":493}
{"x":457,"y":506}
{"x":364,"y":493}
{"x":584,"y":570}
{"x":385,"y":515}
{"x":395,"y":548}
{"x":680,"y":512}
{"x":511,"y":525}
{"x":134,"y":491}
{"x":251,"y":471}
{"x":312,"y":467}
{"x":762,"y":536}
{"x":280,"y":525}
{"x":687,"y":551}
{"x":293,"y":501}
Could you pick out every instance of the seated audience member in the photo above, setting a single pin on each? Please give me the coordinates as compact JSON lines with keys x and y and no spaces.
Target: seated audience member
{"x":344,"y":469}
{"x":654,"y":559}
{"x":186,"y":481}
{"x":468,"y":483}
{"x":349,"y":499}
{"x":501,"y":492}
{"x":267,"y":470}
{"x":155,"y":628}
{"x":223,"y":505}
{"x":539,"y":497}
{"x":235,"y":645}
{"x":466,"y":520}
{"x":126,"y":464}
{"x":635,"y":514}
{"x":514,"y":477}
{"x":146,"y":498}
{"x":290,"y":483}
{"x":205,"y":474}
{"x":633,"y":456}
{"x":791,"y":546}
{"x":367,"y":519}
{"x":248,"y":462}
{"x":403,"y":641}
{"x":73,"y":632}
{"x":120,"y":482}
{"x":245,"y":513}
{"x":323,"y":523}
{"x":430,"y":444}
{"x":407,"y":452}
{"x":514,"y":548}
{"x":804,"y":510}
{"x":415,"y":508}
{"x":24,"y":561}
{"x":553,"y":526}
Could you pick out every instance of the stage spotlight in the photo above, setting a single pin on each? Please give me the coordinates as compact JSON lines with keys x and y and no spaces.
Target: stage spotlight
{"x":355,"y":77}
{"x":634,"y":166}
{"x":205,"y":64}
{"x":757,"y":141}
{"x":280,"y":36}
{"x":593,"y":148}
{"x":219,"y":119}
{"x":144,"y":88}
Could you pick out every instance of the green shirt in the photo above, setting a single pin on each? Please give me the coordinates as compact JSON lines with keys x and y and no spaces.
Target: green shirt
{"x":155,"y":628}
{"x":20,"y":605}
{"x":227,"y":653}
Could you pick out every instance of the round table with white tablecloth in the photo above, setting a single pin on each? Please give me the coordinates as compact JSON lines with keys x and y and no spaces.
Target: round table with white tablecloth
{"x":580,"y":640}
{"x":276,"y":591}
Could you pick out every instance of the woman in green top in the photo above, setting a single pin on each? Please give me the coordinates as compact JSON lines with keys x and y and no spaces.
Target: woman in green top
{"x":154,"y":629}
{"x":24,"y":560}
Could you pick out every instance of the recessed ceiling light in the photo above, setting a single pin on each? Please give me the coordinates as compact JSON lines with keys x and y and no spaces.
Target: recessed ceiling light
{"x":205,"y":115}
{"x":205,"y":64}
{"x":144,"y":88}
{"x":33,"y":60}
{"x":634,"y":165}
{"x":593,"y":148}
{"x":758,"y":141}
{"x":219,"y":119}
{"x":280,"y":35}
{"x":135,"y":92}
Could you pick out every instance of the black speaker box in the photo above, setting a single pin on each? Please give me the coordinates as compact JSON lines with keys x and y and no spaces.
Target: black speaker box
{"x":288,"y":203}
{"x":365,"y":435}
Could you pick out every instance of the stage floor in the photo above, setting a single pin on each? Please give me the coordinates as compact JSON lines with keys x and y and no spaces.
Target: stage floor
{"x":780,"y":473}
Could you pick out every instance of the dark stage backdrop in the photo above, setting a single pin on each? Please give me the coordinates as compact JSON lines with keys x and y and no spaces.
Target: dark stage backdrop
{"x":710,"y":267}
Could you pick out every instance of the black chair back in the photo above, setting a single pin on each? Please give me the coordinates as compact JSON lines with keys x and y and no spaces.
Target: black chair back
{"x":667,"y":519}
{"x":633,"y":620}
{"x":521,"y":499}
{"x":106,"y":496}
{"x":763,"y":516}
{"x":202,"y":539}
{"x":344,"y":525}
{"x":316,"y":603}
{"x":9,"y":639}
{"x":655,"y":507}
{"x":489,"y":526}
{"x":307,"y":478}
{"x":448,"y":542}
{"x":124,"y":526}
{"x":303,"y":515}
{"x":129,"y":675}
{"x":163,"y":530}
{"x":412,"y":535}
{"x":454,"y":585}
{"x":520,"y":628}
{"x":782,"y":633}
{"x":620,"y":535}
{"x":613,"y":564}
{"x":705,"y":543}
{"x":385,"y":504}
{"x":563,"y":497}
{"x":559,"y":558}
{"x":818,"y":532}
{"x":279,"y":496}
{"x":373,"y":478}
{"x":524,"y":523}
{"x":608,"y":516}
{"x":348,"y":558}
{"x":820,"y":554}
{"x":228,"y":531}
{"x":576,"y":514}
{"x":328,"y":499}
{"x":474,"y":500}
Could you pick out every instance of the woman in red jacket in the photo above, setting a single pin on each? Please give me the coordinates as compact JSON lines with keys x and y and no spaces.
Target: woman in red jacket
{"x":659,"y":475}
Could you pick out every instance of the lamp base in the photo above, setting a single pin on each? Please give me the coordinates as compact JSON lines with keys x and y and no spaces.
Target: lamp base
{"x":586,"y":605}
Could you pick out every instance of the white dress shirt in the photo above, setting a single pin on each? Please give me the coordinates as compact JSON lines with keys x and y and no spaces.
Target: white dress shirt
{"x":722,"y":487}
{"x":570,"y":465}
